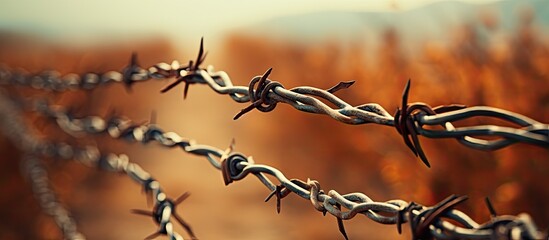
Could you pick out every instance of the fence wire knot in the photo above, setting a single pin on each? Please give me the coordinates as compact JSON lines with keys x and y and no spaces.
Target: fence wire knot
{"x":407,"y":124}
{"x":184,"y":74}
{"x":259,"y":97}
{"x":231,"y":166}
{"x":428,"y":217}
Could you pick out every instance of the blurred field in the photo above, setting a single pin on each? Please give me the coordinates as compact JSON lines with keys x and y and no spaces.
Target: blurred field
{"x":472,"y":69}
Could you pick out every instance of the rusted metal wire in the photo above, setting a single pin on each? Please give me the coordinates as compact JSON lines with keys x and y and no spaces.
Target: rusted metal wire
{"x":410,"y":120}
{"x":425,"y":222}
{"x":13,"y":127}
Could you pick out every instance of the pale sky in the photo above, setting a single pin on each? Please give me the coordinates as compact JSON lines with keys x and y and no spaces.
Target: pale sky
{"x":178,"y":19}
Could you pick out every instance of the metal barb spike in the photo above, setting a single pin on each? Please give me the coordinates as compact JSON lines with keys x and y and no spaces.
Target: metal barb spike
{"x":493,"y":212}
{"x":278,"y":193}
{"x":171,"y":85}
{"x":185,"y":225}
{"x":340,"y":86}
{"x":181,"y":198}
{"x":258,"y":102}
{"x":340,"y":224}
{"x":141,"y":212}
{"x":153,"y":236}
{"x":153,"y":117}
{"x":186,"y":90}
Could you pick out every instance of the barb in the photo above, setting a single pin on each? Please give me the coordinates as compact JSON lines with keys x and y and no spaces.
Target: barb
{"x":425,"y":222}
{"x":409,"y":120}
{"x":12,"y":126}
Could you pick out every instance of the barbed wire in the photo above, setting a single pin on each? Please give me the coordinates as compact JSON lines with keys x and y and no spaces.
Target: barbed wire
{"x":264,"y":94}
{"x":12,"y":126}
{"x":164,"y":207}
{"x":46,"y":196}
{"x":425,"y":222}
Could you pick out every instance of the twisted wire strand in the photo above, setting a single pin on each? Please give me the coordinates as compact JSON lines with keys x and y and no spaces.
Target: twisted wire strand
{"x":164,"y":207}
{"x":264,"y":94}
{"x":46,"y":196}
{"x":425,"y":222}
{"x":12,"y":126}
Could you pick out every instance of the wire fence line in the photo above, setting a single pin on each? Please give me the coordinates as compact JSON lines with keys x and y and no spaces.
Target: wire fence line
{"x":263,"y":94}
{"x":440,"y":221}
{"x":12,"y":125}
{"x":425,"y":222}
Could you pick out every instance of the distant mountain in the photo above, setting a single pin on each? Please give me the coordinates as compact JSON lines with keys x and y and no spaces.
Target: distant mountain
{"x":428,"y":22}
